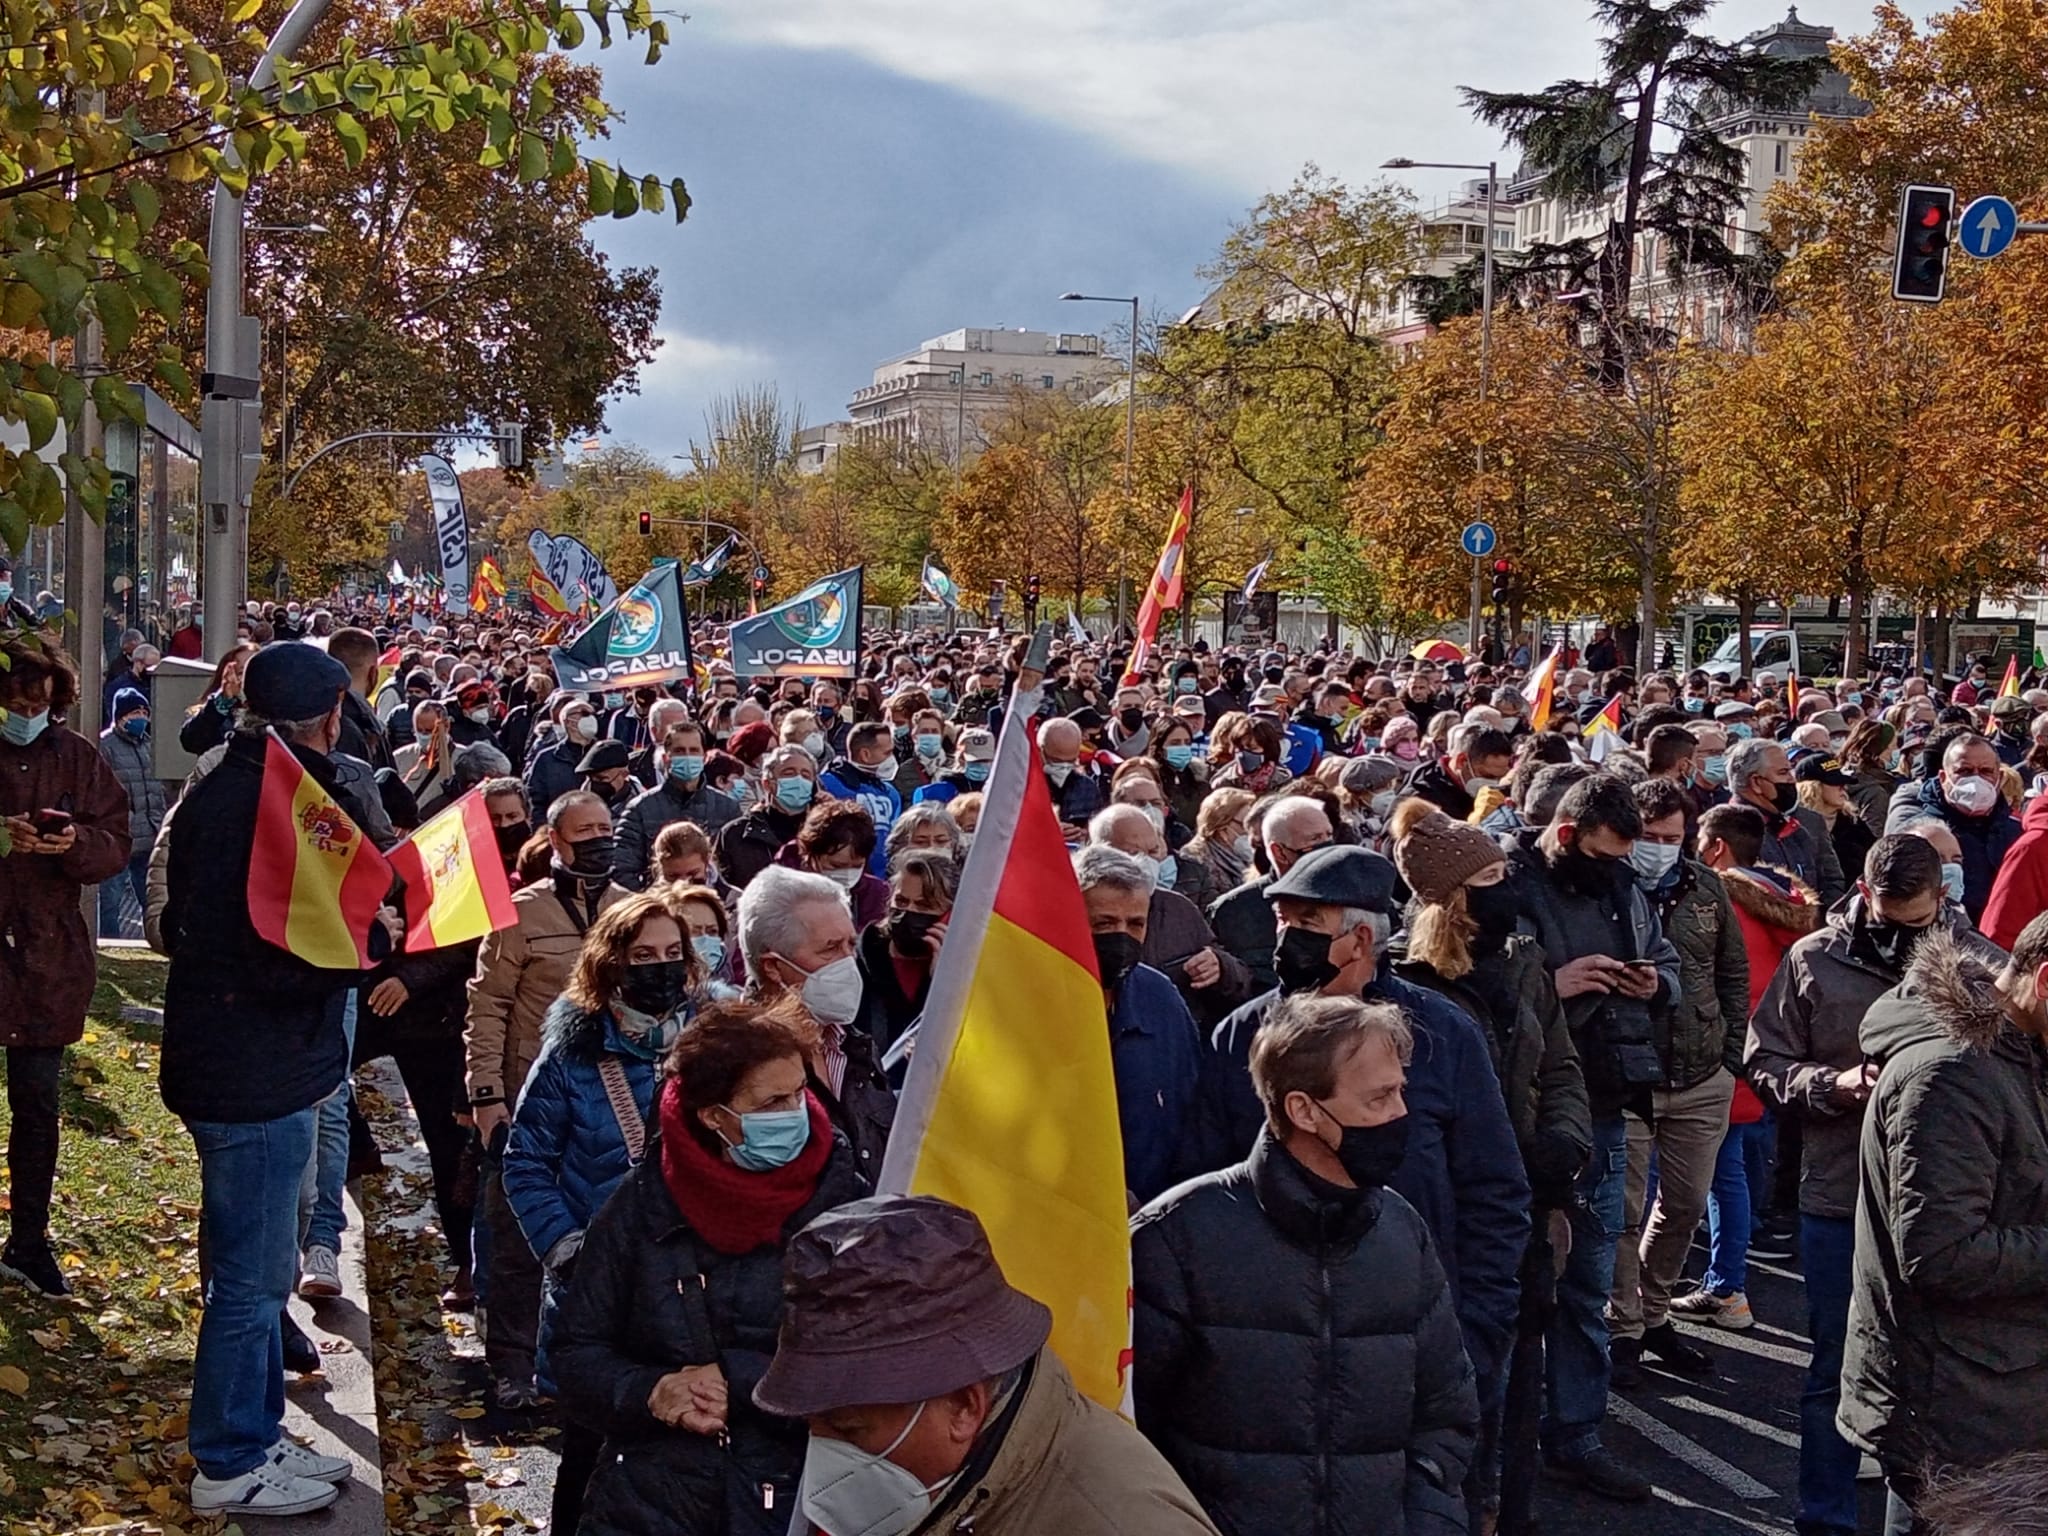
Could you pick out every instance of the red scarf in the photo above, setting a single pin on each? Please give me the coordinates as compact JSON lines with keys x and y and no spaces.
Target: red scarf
{"x":731,"y":1209}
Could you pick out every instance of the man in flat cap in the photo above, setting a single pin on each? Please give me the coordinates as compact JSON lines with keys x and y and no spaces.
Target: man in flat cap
{"x":1462,"y":1168}
{"x":255,"y":1038}
{"x":932,"y":1399}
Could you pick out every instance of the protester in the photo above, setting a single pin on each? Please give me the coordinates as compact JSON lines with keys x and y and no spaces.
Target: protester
{"x":1941,"y":1367}
{"x":521,"y":970}
{"x":69,"y":825}
{"x":1760,"y":774}
{"x":749,"y":843}
{"x":127,"y":748}
{"x":865,"y":775}
{"x":671,"y":1315}
{"x":838,"y":840}
{"x":1964,"y":794}
{"x":1300,"y":1265}
{"x":558,"y":767}
{"x":682,"y":795}
{"x":1222,"y":843}
{"x":930,"y":1394}
{"x":1178,"y":941}
{"x":898,"y":954}
{"x":1242,"y":918}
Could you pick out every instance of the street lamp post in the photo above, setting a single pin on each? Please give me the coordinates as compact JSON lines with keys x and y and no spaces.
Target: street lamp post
{"x":1473,"y":618}
{"x":1130,"y":427}
{"x":317,"y":231}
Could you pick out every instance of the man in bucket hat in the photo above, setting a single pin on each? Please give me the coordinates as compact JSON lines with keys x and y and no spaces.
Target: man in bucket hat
{"x":932,"y":1400}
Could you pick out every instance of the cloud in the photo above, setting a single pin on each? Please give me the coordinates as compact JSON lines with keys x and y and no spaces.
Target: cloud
{"x":686,"y":374}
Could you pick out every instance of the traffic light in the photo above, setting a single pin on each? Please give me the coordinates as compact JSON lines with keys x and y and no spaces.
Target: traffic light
{"x":646,"y":525}
{"x":1920,"y":272}
{"x":1503,"y":570}
{"x":1031,"y":589}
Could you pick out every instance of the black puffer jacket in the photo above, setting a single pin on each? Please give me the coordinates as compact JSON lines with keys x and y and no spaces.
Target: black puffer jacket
{"x":650,"y":1297}
{"x":1298,"y":1358}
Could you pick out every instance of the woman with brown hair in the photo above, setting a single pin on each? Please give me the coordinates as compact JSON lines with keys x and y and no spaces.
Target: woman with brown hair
{"x":1245,"y":752}
{"x":679,"y":1287}
{"x":836,"y":840}
{"x":1223,"y":839}
{"x":207,"y":726}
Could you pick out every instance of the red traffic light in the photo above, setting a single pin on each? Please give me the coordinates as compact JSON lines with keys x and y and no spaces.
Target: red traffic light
{"x":1920,"y":263}
{"x":646,"y":524}
{"x":1933,"y":216}
{"x":1502,"y":566}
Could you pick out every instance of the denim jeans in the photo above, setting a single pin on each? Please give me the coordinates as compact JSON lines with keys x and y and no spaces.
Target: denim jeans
{"x":1576,"y":1388}
{"x":327,"y":1170}
{"x":1728,"y":1210}
{"x":1827,"y":1462}
{"x":249,"y":1175}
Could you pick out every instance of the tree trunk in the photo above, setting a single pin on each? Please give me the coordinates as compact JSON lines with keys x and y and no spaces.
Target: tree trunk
{"x":1914,"y":662}
{"x":1745,"y":622}
{"x":1852,"y":642}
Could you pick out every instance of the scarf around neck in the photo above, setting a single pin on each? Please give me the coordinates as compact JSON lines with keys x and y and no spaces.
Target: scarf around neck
{"x":733,"y":1210}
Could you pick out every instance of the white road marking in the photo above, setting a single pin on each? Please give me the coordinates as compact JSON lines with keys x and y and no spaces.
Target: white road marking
{"x":1691,"y":1452}
{"x":1764,"y":1527}
{"x":1785,"y":1437}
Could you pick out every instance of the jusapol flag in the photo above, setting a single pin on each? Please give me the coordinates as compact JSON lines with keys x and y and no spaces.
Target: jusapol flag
{"x":1010,"y":1107}
{"x":315,"y":881}
{"x":938,"y":586}
{"x":707,"y":569}
{"x":455,"y":882}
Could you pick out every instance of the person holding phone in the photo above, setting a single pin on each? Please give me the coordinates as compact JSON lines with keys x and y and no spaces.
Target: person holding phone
{"x":65,"y":820}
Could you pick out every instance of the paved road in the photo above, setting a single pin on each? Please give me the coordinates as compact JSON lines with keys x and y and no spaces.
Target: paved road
{"x":1724,"y":1453}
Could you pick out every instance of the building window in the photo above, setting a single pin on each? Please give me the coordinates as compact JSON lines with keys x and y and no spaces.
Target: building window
{"x":1045,"y":381}
{"x":1503,"y":238}
{"x":985,"y":380}
{"x":1016,"y":378}
{"x":1780,"y":147}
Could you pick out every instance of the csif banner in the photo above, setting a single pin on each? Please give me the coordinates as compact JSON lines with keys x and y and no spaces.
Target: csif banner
{"x":569,"y":562}
{"x":644,"y":637}
{"x":451,"y":523}
{"x":814,"y":634}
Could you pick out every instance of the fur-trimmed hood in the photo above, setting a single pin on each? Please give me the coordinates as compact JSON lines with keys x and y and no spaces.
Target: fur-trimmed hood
{"x":575,"y":1032}
{"x":1774,"y":896}
{"x":1950,"y":993}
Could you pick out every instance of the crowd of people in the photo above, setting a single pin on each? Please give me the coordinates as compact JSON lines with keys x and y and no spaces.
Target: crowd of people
{"x":1439,"y":1031}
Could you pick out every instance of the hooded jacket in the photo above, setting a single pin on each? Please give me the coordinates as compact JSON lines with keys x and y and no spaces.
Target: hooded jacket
{"x":1701,"y":1031}
{"x":847,"y":780}
{"x":1774,"y":909}
{"x":2020,"y":889}
{"x":1985,"y":840}
{"x":1947,"y":1352}
{"x":662,"y":806}
{"x":1258,"y":1276}
{"x":1435,"y":782}
{"x":1806,"y":1032}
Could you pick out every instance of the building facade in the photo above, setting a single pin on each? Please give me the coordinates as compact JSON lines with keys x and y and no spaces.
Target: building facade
{"x":941,"y":395}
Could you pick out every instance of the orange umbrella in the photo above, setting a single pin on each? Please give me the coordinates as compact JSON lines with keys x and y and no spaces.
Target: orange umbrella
{"x":1438,"y":650}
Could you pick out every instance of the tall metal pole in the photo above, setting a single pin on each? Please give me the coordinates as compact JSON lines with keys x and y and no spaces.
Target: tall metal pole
{"x":960,"y":415}
{"x":231,"y":382}
{"x":1475,"y":624}
{"x":1130,"y":440}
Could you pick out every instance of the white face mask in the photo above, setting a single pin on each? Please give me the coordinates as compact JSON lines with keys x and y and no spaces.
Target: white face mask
{"x":1059,"y":773}
{"x":845,"y":1489}
{"x":845,"y":879}
{"x":832,"y":992}
{"x":1156,"y":816}
{"x":1150,"y":865}
{"x":885,"y":770}
{"x":815,"y":745}
{"x":1973,"y":796}
{"x":586,"y":727}
{"x":480,"y":716}
{"x":1652,"y":861}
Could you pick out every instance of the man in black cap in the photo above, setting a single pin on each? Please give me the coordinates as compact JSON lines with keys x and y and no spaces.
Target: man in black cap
{"x":1462,"y":1168}
{"x":255,"y":1038}
{"x":607,"y":772}
{"x":931,"y":1396}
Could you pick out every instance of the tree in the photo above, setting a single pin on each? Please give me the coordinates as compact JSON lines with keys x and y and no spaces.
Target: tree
{"x":109,"y":105}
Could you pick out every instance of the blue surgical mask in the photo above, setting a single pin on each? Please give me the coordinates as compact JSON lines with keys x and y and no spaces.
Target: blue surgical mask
{"x":1695,"y":705}
{"x":710,"y":949}
{"x":1167,"y":873}
{"x":1714,"y":769}
{"x":977,"y":772}
{"x":686,"y":767}
{"x":770,"y":1139}
{"x":20,"y":728}
{"x":1952,"y":881}
{"x":1652,"y":861}
{"x":793,"y":794}
{"x":1178,"y":757}
{"x":902,"y":732}
{"x":6,"y":591}
{"x":1741,"y":730}
{"x":136,"y":727}
{"x":942,"y":695}
{"x":930,"y":744}
{"x":1185,"y":685}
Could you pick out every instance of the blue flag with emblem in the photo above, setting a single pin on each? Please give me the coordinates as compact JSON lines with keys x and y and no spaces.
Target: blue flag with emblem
{"x":1256,"y":575}
{"x":707,"y":568}
{"x":643,"y":637}
{"x":937,"y":584}
{"x":814,"y":634}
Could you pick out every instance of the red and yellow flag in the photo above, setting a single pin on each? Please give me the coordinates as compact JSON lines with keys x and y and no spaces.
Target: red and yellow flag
{"x":2010,"y":687}
{"x":1603,"y":731}
{"x":1164,"y":593}
{"x":547,"y":597}
{"x":455,"y":883}
{"x":489,"y":586}
{"x":315,"y":881}
{"x":386,"y":665}
{"x":1010,"y":1107}
{"x":1792,"y":697}
{"x":1540,"y":689}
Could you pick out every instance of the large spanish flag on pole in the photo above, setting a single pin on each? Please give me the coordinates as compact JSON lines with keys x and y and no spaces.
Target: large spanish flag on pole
{"x":455,"y":883}
{"x":1164,"y":593}
{"x":315,"y":881}
{"x":2009,"y":686}
{"x":1010,"y":1106}
{"x":1541,"y":690}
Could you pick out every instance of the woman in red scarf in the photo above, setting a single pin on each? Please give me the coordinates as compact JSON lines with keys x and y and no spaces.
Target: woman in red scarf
{"x":672,"y":1316}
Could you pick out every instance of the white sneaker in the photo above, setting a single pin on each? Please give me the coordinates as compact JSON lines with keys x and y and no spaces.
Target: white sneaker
{"x":263,"y":1490}
{"x":320,"y":1272}
{"x":293,"y":1459}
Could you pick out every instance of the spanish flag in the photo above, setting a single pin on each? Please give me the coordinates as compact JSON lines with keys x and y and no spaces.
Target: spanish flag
{"x":547,"y":597}
{"x":455,"y":883}
{"x":1541,"y":690}
{"x":386,"y":665}
{"x":1164,"y":593}
{"x":1792,"y":697}
{"x":488,"y":588}
{"x":1603,"y":731}
{"x":1010,"y":1107}
{"x":2010,"y":687}
{"x":315,"y":881}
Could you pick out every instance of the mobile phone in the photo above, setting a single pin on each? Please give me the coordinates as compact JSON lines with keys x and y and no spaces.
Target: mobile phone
{"x":52,"y":823}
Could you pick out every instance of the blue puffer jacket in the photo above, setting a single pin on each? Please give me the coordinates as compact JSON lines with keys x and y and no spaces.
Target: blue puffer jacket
{"x":566,"y":1153}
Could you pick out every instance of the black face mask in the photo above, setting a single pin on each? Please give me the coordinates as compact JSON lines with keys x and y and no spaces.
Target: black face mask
{"x":1301,"y":959}
{"x":511,"y":838}
{"x":591,"y":859}
{"x":1784,"y":797}
{"x":1583,"y":874}
{"x":1370,"y":1154}
{"x":1116,"y":956}
{"x":655,"y":987}
{"x":1892,"y":944}
{"x":1496,"y":909}
{"x":907,"y":932}
{"x":1132,"y":718}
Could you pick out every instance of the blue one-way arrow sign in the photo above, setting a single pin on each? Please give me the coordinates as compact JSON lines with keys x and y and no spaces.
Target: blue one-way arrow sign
{"x":1987,"y":227}
{"x":1478,"y":539}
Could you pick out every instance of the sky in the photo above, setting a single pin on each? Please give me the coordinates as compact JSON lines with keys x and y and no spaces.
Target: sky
{"x":870,"y":173}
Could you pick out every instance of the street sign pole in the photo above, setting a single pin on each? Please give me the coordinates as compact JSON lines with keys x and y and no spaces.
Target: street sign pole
{"x":1475,"y":620}
{"x":1477,"y":539}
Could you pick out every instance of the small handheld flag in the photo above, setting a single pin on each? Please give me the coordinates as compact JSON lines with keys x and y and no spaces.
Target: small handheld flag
{"x":315,"y":881}
{"x":2009,"y":688}
{"x":1164,"y":592}
{"x":1256,"y":575}
{"x":1603,"y":731}
{"x":1541,"y":690}
{"x":455,"y":883}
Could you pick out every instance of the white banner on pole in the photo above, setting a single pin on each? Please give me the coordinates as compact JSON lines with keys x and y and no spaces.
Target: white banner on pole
{"x":451,"y":528}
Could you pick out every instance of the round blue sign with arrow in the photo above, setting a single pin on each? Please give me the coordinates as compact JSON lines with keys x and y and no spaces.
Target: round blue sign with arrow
{"x":1987,"y":227}
{"x":1478,"y":539}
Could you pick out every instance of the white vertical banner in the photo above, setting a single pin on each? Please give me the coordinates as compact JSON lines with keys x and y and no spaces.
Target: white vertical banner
{"x":451,"y":529}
